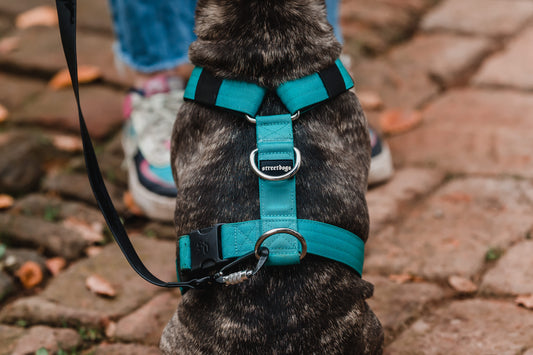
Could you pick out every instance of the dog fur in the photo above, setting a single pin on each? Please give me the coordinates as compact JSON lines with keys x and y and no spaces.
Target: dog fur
{"x":318,"y":306}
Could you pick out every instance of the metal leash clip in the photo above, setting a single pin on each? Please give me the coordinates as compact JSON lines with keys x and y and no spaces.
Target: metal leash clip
{"x":241,"y":276}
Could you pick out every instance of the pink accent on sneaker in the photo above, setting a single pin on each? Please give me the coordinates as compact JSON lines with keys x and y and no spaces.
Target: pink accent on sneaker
{"x":127,"y":107}
{"x":156,"y":85}
{"x":144,"y":167}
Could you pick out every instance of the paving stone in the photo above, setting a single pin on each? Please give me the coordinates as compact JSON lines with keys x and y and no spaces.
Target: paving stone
{"x":21,"y":161}
{"x":101,"y":109}
{"x":7,"y":286}
{"x":37,"y":310}
{"x":77,"y":186}
{"x":48,"y":338}
{"x":482,"y":17}
{"x":68,"y":291}
{"x":146,"y":324}
{"x":40,"y":50}
{"x":510,"y":67}
{"x":15,"y":7}
{"x":407,"y":76}
{"x":16,"y":90}
{"x":14,"y":258}
{"x":451,"y":232}
{"x":53,"y":238}
{"x":386,"y":202}
{"x":9,"y":337}
{"x":95,"y":15}
{"x":513,"y":273}
{"x":468,"y":327}
{"x":5,"y":25}
{"x":472,"y":131}
{"x":121,"y":349}
{"x":396,"y":305}
{"x":53,"y":209}
{"x":529,"y":352}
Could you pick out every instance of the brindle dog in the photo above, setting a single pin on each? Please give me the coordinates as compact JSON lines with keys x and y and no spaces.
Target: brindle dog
{"x":315,"y":307}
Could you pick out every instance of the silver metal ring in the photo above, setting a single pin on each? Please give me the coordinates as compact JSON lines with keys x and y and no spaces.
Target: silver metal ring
{"x":285,"y":176}
{"x":252,"y":120}
{"x":274,"y":231}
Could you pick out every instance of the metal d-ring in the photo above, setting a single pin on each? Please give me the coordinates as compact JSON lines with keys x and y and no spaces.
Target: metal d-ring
{"x":285,"y":176}
{"x":274,"y":231}
{"x":252,"y":120}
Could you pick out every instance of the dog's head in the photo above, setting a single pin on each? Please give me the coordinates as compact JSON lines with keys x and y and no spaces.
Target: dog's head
{"x":234,"y":33}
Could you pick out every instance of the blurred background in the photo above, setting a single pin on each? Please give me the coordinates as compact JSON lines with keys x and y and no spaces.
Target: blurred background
{"x":449,"y":84}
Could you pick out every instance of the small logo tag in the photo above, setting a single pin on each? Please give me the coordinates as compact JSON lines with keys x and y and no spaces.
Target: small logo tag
{"x":275,"y":167}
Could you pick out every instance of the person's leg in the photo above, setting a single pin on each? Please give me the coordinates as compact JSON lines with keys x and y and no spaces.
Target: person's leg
{"x":152,"y":38}
{"x":332,"y":7}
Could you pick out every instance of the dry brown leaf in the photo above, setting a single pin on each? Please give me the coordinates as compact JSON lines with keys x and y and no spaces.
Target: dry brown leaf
{"x":9,"y":44}
{"x":370,"y":100}
{"x":91,"y":233}
{"x":93,"y":251}
{"x":55,"y":265}
{"x":111,"y":329}
{"x":86,"y":74}
{"x":100,"y":286}
{"x":38,"y":16}
{"x":401,"y":278}
{"x":131,"y":205}
{"x":3,"y":113}
{"x":457,"y":197}
{"x":30,"y":274}
{"x":397,"y":121}
{"x":67,"y":143}
{"x":6,"y":201}
{"x":525,"y":301}
{"x":462,"y":284}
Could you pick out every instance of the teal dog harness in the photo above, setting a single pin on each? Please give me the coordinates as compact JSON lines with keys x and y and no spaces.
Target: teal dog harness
{"x":278,"y":237}
{"x":276,"y":161}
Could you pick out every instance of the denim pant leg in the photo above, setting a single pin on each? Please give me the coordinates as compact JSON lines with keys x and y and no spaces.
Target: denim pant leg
{"x":153,"y":35}
{"x":332,"y":7}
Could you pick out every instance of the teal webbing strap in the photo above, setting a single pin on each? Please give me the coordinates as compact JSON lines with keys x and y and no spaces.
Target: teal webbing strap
{"x":326,"y":240}
{"x":277,"y":199}
{"x":238,"y":96}
{"x":308,"y":91}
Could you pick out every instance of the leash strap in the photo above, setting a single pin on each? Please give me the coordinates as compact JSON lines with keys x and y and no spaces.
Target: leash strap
{"x":66,"y":10}
{"x":277,"y":199}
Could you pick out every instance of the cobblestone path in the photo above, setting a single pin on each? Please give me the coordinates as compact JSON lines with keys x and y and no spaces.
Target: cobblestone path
{"x":450,"y":252}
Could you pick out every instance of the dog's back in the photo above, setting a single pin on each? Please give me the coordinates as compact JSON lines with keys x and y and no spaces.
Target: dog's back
{"x":319,"y":305}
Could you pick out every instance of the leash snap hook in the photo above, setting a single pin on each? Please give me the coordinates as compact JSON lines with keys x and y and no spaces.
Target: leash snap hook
{"x":241,"y":276}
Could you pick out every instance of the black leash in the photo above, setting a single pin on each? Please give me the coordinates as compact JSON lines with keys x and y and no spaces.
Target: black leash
{"x":66,"y":10}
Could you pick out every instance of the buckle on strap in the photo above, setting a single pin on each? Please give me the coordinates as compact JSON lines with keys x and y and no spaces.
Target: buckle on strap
{"x":206,"y":250}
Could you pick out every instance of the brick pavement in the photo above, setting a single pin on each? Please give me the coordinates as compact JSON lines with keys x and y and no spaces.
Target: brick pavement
{"x":450,"y":246}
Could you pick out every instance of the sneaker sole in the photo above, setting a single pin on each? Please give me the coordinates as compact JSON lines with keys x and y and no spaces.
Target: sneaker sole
{"x":381,"y":168}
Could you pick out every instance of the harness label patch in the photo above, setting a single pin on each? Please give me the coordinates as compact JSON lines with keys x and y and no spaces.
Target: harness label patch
{"x":275,"y":167}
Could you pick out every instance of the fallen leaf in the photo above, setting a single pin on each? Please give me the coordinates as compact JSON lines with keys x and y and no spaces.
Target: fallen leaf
{"x":461,"y":284}
{"x":29,"y":274}
{"x":111,"y":329}
{"x":38,"y":16}
{"x":401,"y":278}
{"x":131,"y":205}
{"x":93,"y":251}
{"x":55,"y":265}
{"x":6,"y":201}
{"x":456,"y":197}
{"x":526,"y":301}
{"x":86,"y":74}
{"x":9,"y":44}
{"x":100,"y":286}
{"x":370,"y":100}
{"x":3,"y":113}
{"x":397,"y":121}
{"x":67,"y":143}
{"x":91,"y":233}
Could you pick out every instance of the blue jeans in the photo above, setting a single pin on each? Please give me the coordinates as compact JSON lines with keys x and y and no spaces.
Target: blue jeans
{"x":155,"y":35}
